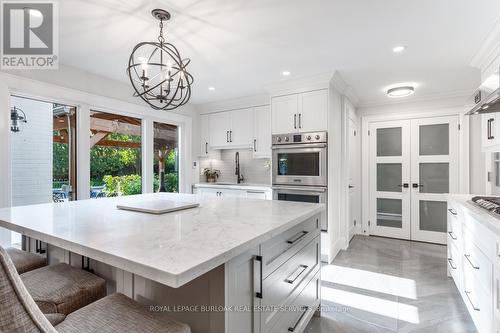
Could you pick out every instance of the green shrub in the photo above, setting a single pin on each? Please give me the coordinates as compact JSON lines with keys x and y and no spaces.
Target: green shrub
{"x":122,"y":185}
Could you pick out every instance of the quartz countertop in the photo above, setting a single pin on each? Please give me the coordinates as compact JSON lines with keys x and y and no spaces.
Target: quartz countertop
{"x":242,"y":186}
{"x":172,"y":248}
{"x":481,"y":215}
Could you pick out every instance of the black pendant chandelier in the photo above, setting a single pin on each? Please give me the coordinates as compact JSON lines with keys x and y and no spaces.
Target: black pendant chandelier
{"x":158,"y":73}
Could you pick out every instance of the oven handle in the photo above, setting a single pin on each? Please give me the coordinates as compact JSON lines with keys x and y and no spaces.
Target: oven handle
{"x":300,"y":188}
{"x":303,"y":145}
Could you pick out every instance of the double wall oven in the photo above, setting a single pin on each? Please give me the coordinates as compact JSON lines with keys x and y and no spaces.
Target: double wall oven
{"x":300,"y":168}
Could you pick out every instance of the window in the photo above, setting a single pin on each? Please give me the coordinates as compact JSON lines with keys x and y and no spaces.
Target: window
{"x":115,"y":155}
{"x":166,"y":158}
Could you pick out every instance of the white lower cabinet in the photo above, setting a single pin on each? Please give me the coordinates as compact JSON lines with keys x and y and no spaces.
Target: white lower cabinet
{"x":472,"y":266}
{"x":283,"y":300}
{"x":206,"y":192}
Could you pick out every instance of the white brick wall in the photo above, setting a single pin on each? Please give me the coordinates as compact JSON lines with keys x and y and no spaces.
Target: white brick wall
{"x":31,"y":154}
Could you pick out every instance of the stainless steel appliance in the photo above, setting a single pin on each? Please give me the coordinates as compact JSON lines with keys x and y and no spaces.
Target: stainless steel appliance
{"x":303,"y":194}
{"x":300,"y":159}
{"x":492,"y":204}
{"x":300,"y":167}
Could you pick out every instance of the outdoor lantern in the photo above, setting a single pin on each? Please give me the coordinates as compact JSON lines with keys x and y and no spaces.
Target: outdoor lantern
{"x":17,"y":116}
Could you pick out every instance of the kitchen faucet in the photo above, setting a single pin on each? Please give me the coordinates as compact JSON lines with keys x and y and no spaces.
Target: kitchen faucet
{"x":237,"y":173}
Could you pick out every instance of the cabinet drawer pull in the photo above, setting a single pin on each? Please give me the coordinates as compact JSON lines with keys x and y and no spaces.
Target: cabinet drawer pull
{"x":227,"y":136}
{"x":489,"y":129}
{"x":470,"y":301}
{"x":452,"y":235}
{"x":256,"y":192}
{"x":206,"y":147}
{"x":300,"y":120}
{"x":257,"y":279}
{"x":294,"y":327}
{"x":230,"y":136}
{"x":255,"y":145}
{"x":295,"y":121}
{"x":452,"y":265}
{"x":297,"y":237}
{"x":452,"y":211}
{"x":295,"y":275}
{"x":467,"y":256}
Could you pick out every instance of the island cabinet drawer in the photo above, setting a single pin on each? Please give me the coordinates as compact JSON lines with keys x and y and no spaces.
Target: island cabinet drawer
{"x":478,"y":234}
{"x":478,"y":266}
{"x":479,"y":302}
{"x":281,"y":286}
{"x":454,"y":228}
{"x":297,"y":315}
{"x":454,"y":263}
{"x":279,"y":249}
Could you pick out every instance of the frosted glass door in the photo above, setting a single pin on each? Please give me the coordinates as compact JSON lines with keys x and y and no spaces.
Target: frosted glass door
{"x":390,"y":179}
{"x":434,"y":174}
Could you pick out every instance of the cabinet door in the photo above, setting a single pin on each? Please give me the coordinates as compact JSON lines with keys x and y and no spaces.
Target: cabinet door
{"x":313,"y":111}
{"x":204,"y":136}
{"x":284,"y":110}
{"x":228,"y":193}
{"x":262,"y":132}
{"x":208,"y":192}
{"x":219,"y":126}
{"x":241,"y":134}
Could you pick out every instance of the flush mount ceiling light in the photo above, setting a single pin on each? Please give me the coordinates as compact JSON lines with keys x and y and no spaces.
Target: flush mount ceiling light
{"x":399,"y":49}
{"x":286,"y":73}
{"x":402,"y":91}
{"x":158,"y":73}
{"x":211,"y":88}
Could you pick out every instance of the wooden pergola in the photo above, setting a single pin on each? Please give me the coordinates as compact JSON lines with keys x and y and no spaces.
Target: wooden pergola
{"x":102,"y":124}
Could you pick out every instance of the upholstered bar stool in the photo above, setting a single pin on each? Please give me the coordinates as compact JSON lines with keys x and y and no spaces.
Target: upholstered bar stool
{"x":25,"y":261}
{"x":115,"y":313}
{"x":63,"y":288}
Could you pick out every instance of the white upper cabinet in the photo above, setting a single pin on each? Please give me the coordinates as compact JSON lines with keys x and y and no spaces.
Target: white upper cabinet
{"x":284,"y":113}
{"x":219,"y":125}
{"x":205,"y":146}
{"x":313,"y":111}
{"x":262,"y":132}
{"x":241,"y":131}
{"x":490,"y":132}
{"x":297,"y":113}
{"x":231,"y":129}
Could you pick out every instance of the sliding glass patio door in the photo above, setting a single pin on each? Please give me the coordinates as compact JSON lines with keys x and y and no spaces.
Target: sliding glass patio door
{"x":413,"y":168}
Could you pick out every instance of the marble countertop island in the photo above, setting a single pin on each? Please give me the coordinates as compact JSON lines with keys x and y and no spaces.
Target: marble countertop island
{"x":172,"y":248}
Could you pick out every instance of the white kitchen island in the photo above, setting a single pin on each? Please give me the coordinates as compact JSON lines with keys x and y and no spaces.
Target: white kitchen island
{"x":255,"y":263}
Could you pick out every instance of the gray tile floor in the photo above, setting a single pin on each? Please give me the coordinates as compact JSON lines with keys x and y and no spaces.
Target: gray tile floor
{"x":389,"y":285}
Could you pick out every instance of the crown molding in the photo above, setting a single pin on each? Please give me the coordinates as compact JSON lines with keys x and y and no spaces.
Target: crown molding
{"x":343,"y":88}
{"x":489,"y":49}
{"x":458,"y":95}
{"x":234,"y":103}
{"x":296,"y":85}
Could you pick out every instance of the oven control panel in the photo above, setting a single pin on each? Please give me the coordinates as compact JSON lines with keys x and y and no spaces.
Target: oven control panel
{"x":299,"y":138}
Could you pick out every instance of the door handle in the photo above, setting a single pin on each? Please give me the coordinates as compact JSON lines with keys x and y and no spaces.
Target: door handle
{"x":490,"y":135}
{"x":230,"y":136}
{"x":206,"y":147}
{"x":351,"y":186}
{"x":227,"y":136}
{"x":405,"y":185}
{"x":295,"y":121}
{"x":416,"y":185}
{"x":255,"y":145}
{"x":300,"y":120}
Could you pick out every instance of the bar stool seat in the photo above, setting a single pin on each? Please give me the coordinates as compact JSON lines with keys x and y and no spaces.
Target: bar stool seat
{"x":25,"y":261}
{"x":62,"y":288}
{"x":119,"y":313}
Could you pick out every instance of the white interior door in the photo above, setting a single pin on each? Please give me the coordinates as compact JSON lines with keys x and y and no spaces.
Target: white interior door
{"x":390,"y":179}
{"x":434,"y":159}
{"x":354,"y":206}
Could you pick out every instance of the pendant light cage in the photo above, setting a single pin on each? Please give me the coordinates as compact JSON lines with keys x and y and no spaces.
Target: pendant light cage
{"x":158,"y":73}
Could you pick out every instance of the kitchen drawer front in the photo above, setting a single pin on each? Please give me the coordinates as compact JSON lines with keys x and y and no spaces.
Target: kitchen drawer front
{"x":298,"y":314}
{"x":478,"y":301}
{"x":481,"y":236}
{"x":454,"y":228}
{"x":279,"y":287}
{"x":454,"y":263}
{"x":279,"y":249}
{"x":479,"y":266}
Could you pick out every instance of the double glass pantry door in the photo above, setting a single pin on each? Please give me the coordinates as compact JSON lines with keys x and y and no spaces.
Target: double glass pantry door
{"x":413,"y":168}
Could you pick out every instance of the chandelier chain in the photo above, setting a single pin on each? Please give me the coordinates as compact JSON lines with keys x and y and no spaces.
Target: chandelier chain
{"x":161,"y":39}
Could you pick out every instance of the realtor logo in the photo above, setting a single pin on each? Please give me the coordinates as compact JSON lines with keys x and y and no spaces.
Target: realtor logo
{"x":29,"y":35}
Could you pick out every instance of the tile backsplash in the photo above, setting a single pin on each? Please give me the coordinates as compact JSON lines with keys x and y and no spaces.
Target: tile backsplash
{"x":256,"y":171}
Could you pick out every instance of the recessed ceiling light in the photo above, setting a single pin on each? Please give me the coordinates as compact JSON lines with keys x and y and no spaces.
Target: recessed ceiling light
{"x":399,"y":49}
{"x":286,"y":73}
{"x":402,"y":91}
{"x":211,"y":88}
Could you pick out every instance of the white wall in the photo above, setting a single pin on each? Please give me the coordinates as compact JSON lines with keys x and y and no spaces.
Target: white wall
{"x":477,"y":162}
{"x":31,"y":154}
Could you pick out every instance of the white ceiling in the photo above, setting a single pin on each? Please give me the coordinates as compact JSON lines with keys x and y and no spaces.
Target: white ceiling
{"x":240,"y":46}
